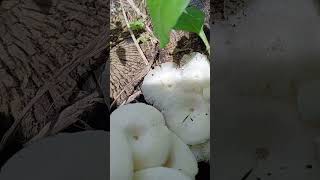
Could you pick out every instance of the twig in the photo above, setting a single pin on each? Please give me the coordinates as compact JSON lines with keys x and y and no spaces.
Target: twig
{"x":134,"y":7}
{"x":133,"y":97}
{"x":247,"y":174}
{"x":132,"y":35}
{"x":86,"y":125}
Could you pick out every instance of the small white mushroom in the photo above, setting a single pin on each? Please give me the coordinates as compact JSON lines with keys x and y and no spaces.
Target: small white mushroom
{"x":147,"y":133}
{"x":121,"y":163}
{"x":201,"y":151}
{"x":181,"y":157}
{"x":189,"y":118}
{"x":160,"y":173}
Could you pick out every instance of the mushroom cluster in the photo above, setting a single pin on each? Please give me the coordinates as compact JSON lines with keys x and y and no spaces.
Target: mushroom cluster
{"x":143,"y":148}
{"x":182,"y":94}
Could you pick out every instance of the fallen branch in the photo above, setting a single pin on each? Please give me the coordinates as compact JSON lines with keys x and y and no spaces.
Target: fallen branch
{"x":134,"y":7}
{"x":132,"y":34}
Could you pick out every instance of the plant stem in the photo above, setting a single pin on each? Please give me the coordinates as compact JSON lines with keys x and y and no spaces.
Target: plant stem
{"x":205,"y":40}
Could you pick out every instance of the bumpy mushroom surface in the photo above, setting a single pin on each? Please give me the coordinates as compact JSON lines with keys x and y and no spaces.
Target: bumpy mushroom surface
{"x":189,"y":118}
{"x":160,"y":82}
{"x":195,"y":71}
{"x":66,"y":156}
{"x":147,"y":133}
{"x":184,"y":101}
{"x":160,"y":173}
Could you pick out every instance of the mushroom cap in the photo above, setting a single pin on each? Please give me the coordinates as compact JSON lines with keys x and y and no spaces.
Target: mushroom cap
{"x":196,"y":70}
{"x":152,"y":148}
{"x":81,"y":156}
{"x":147,"y":133}
{"x":121,"y":163}
{"x":160,"y":173}
{"x":189,"y":118}
{"x":201,"y":151}
{"x":181,"y":158}
{"x":137,"y":115}
{"x":206,"y":94}
{"x":160,"y":82}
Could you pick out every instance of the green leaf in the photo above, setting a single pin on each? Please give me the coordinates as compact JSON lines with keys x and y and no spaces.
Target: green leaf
{"x":164,"y":15}
{"x":191,"y":20}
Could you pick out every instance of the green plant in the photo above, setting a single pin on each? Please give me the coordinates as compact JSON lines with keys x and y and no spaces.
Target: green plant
{"x":167,"y":15}
{"x":136,"y":25}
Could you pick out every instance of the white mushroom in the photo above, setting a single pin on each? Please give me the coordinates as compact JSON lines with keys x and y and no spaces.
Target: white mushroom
{"x":189,"y":118}
{"x":167,"y":81}
{"x":160,"y":82}
{"x":182,"y":95}
{"x":79,"y":156}
{"x":195,"y":71}
{"x":160,"y":173}
{"x":201,"y":151}
{"x":145,"y":127}
{"x":121,"y":163}
{"x":206,"y":94}
{"x":181,"y":158}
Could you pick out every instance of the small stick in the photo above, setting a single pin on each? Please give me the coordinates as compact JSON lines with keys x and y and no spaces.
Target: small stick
{"x":134,"y":7}
{"x":132,"y":35}
{"x":133,"y":97}
{"x":247,"y":174}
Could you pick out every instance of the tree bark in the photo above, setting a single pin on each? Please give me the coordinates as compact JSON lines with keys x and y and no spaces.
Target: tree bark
{"x":47,"y":48}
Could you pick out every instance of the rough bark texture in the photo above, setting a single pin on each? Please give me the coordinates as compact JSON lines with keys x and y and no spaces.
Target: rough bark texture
{"x":46,"y":49}
{"x":126,"y":63}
